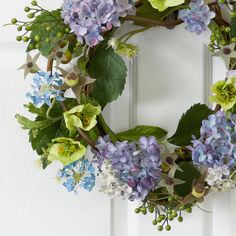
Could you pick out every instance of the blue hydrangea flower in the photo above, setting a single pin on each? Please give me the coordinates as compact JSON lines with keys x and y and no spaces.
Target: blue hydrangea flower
{"x":79,"y":174}
{"x":44,"y":90}
{"x":136,"y":164}
{"x":216,"y":146}
{"x":198,"y":17}
{"x":88,"y":19}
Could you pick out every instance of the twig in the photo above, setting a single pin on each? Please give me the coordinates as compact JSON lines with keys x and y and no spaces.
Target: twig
{"x":153,"y":22}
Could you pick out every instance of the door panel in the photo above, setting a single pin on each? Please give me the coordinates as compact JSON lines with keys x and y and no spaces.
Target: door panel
{"x":172,"y":72}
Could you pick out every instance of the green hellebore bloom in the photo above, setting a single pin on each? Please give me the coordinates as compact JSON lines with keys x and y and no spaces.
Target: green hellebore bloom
{"x":225,"y":94}
{"x":82,"y":116}
{"x":66,"y":150}
{"x":162,"y":5}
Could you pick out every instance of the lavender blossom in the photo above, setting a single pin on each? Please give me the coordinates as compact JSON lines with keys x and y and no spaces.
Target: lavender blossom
{"x":88,"y":19}
{"x":136,"y":164}
{"x":216,"y":146}
{"x":198,"y":17}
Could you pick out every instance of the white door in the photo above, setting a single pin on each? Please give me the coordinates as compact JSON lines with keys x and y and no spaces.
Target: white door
{"x":32,"y":204}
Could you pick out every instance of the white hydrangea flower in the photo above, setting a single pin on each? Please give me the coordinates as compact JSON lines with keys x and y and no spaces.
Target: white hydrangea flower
{"x":112,"y":186}
{"x":218,"y":178}
{"x":217,"y":173}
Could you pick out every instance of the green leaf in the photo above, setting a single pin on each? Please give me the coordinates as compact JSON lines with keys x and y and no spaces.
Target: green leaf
{"x":109,"y":70}
{"x":55,"y":22}
{"x":188,"y":174}
{"x":142,"y":130}
{"x":41,"y":138}
{"x":233,"y":23}
{"x":42,"y":131}
{"x":29,"y":124}
{"x":147,"y":11}
{"x":190,"y":124}
{"x":35,"y":110}
{"x":233,"y":109}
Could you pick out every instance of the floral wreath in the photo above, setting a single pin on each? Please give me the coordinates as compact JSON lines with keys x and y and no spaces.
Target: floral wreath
{"x":169,"y":175}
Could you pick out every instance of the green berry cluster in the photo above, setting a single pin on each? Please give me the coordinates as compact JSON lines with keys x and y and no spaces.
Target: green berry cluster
{"x":26,"y":25}
{"x":39,"y":30}
{"x":220,"y":37}
{"x":163,"y":217}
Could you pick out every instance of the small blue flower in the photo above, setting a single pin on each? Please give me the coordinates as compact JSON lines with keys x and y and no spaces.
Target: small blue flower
{"x":44,"y":90}
{"x":198,"y":17}
{"x":79,"y":174}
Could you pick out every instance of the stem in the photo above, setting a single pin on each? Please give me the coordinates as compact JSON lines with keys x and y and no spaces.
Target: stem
{"x":107,"y":129}
{"x":49,"y":65}
{"x":153,"y":22}
{"x":49,"y":110}
{"x":132,"y":33}
{"x":217,"y":107}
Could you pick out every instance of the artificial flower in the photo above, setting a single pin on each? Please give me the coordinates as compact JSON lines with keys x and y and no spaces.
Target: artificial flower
{"x":82,"y":116}
{"x":198,"y":17}
{"x":31,"y":64}
{"x":168,"y":158}
{"x":112,"y":186}
{"x":225,"y":93}
{"x":216,"y":173}
{"x":89,"y":19}
{"x":216,"y":145}
{"x":123,"y":49}
{"x":44,"y":88}
{"x":59,"y":54}
{"x":169,"y":181}
{"x":74,"y":79}
{"x":66,"y":150}
{"x":79,"y":174}
{"x":226,"y":53}
{"x":198,"y":189}
{"x":135,"y":164}
{"x":162,"y":5}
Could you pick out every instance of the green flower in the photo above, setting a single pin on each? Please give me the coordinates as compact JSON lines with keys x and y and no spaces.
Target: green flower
{"x":162,"y":5}
{"x":123,"y":49}
{"x":225,"y":93}
{"x":66,"y":151}
{"x":82,"y":116}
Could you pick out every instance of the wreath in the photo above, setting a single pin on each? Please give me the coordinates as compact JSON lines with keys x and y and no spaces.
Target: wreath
{"x":169,"y":175}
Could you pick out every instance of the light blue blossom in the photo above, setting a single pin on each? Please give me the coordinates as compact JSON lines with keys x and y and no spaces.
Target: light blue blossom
{"x":198,"y":17}
{"x":79,"y":174}
{"x":88,"y":19}
{"x":216,"y":146}
{"x":44,"y":90}
{"x":136,"y":164}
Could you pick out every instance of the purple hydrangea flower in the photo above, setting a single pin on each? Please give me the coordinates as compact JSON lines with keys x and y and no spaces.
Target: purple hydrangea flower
{"x":198,"y":17}
{"x":88,"y":19}
{"x":216,"y":146}
{"x":136,"y":164}
{"x":79,"y":174}
{"x":44,"y":91}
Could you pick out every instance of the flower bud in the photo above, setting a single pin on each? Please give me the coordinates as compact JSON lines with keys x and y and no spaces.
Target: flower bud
{"x":72,"y":79}
{"x":123,"y":49}
{"x":198,"y":190}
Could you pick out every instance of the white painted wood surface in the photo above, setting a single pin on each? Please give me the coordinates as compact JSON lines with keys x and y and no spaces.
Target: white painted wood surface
{"x":172,"y":72}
